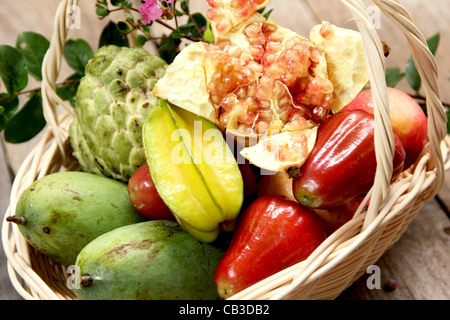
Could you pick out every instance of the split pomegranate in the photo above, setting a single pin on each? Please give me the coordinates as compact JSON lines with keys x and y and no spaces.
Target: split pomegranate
{"x":274,"y":83}
{"x":260,"y":81}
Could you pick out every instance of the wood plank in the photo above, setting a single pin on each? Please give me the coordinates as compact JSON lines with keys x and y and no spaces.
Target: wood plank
{"x":444,"y":195}
{"x":7,"y":291}
{"x":418,"y":263}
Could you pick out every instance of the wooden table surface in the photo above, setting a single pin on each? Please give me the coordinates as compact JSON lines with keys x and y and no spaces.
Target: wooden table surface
{"x":419,"y":263}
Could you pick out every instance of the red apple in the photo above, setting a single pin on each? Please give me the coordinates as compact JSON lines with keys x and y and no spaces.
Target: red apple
{"x":272,"y":234}
{"x":408,"y":120}
{"x":145,"y":198}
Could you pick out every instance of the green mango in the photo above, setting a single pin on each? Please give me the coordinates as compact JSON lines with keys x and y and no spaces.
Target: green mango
{"x":62,"y":212}
{"x":152,"y":260}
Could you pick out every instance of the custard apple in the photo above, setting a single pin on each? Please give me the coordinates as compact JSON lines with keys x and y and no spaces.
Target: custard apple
{"x":112,"y":102}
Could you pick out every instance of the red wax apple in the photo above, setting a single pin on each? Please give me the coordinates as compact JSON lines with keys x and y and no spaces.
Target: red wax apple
{"x":408,"y":120}
{"x":145,"y":198}
{"x":271,"y":235}
{"x":342,"y":164}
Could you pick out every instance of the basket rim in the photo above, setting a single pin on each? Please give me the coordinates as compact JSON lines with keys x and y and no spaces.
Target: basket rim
{"x":421,"y":184}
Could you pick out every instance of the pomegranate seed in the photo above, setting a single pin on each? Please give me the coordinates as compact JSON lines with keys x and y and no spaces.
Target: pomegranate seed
{"x":212,"y":14}
{"x":276,"y":36}
{"x":214,"y":3}
{"x":268,"y":59}
{"x":272,"y":74}
{"x":274,"y":47}
{"x":326,"y":31}
{"x":268,"y":28}
{"x":245,"y":10}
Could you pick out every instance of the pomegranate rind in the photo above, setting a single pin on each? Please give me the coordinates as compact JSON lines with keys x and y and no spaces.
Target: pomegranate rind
{"x":344,"y":53}
{"x":273,"y":152}
{"x":184,"y":84}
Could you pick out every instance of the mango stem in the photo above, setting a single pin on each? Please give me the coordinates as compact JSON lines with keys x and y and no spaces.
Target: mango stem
{"x":86,"y":280}
{"x":22,"y":220}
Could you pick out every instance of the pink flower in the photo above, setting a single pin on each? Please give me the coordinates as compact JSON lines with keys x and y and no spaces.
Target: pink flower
{"x":151,"y":10}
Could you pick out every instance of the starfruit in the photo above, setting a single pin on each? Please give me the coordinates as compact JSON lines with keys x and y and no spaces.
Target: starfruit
{"x":193,"y":169}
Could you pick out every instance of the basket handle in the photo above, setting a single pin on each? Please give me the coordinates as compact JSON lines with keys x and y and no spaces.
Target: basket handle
{"x":426,"y":65}
{"x":429,"y":73}
{"x":51,"y":65}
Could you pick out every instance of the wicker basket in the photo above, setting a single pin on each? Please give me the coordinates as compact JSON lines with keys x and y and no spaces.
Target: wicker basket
{"x":343,"y":257}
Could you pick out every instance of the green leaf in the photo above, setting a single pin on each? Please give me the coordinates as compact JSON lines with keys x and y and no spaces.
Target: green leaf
{"x":8,"y":107}
{"x":112,"y":35}
{"x":447,"y":111}
{"x":123,"y":27}
{"x":116,"y":3}
{"x":433,"y":43}
{"x":168,"y":49}
{"x":129,"y":17}
{"x":13,"y":69}
{"x":68,"y":91}
{"x":102,"y":11}
{"x":412,"y":75}
{"x":179,"y":13}
{"x":185,"y":5}
{"x":394,"y":76}
{"x":146,"y":27}
{"x":423,"y":105}
{"x":33,"y":46}
{"x":140,"y":40}
{"x":26,"y":123}
{"x":77,"y":54}
{"x":178,"y":34}
{"x":267,"y":14}
{"x":127,"y":4}
{"x":189,"y":29}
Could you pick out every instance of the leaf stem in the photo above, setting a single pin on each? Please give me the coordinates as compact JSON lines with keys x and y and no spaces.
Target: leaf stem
{"x":175,"y":13}
{"x":418,"y":96}
{"x":16,"y":94}
{"x":196,"y":27}
{"x":163,"y":23}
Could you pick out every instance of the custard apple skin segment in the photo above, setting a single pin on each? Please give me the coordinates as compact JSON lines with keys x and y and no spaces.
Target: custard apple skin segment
{"x":112,"y":102}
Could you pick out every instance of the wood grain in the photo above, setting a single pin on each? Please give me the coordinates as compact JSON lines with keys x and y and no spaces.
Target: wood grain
{"x":7,"y":292}
{"x":418,"y":263}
